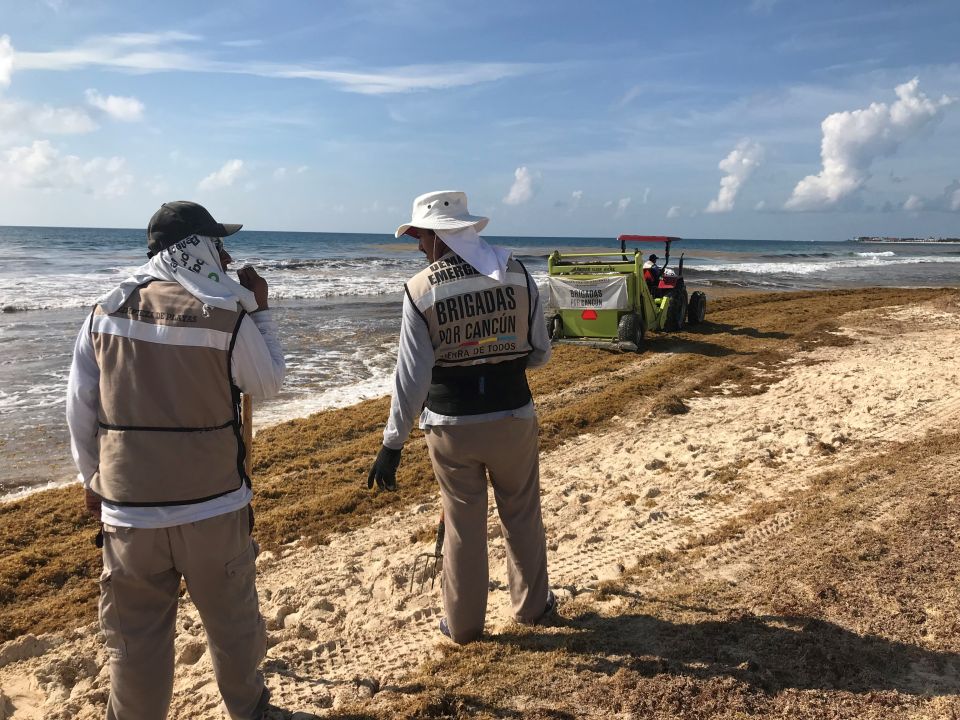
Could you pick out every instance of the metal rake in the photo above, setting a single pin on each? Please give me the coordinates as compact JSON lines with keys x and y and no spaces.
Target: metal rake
{"x":422,"y":563}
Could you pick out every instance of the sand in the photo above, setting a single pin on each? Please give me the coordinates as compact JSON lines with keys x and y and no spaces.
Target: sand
{"x":344,"y":631}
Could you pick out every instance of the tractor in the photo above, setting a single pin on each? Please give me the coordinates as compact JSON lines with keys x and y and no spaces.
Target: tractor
{"x":611,"y":299}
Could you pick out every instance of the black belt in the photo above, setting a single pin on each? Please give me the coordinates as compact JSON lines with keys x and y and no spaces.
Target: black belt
{"x":479,"y":389}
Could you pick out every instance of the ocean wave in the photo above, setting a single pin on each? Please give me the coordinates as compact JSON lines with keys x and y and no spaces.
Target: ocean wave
{"x":811,"y":268}
{"x":778,"y":256}
{"x":886,"y":253}
{"x":330,"y":264}
{"x":37,"y":397}
{"x":305,"y":281}
{"x":350,"y":374}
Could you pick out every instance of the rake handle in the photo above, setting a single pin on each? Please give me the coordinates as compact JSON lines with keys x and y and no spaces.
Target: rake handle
{"x":441,"y":531}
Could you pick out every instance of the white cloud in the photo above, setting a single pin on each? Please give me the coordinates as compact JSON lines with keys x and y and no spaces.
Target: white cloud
{"x":125,"y":109}
{"x":385,"y":81}
{"x":951,"y":197}
{"x":622,"y":205}
{"x":280,"y":173}
{"x":630,"y":95}
{"x":157,"y":185}
{"x":242,"y":43}
{"x":576,"y":197}
{"x":947,"y":201}
{"x":673,"y":212}
{"x":6,"y":61}
{"x":163,"y":52}
{"x":224,"y":177}
{"x":21,"y":121}
{"x":646,"y":195}
{"x":523,"y":188}
{"x":739,"y":165}
{"x":608,"y":204}
{"x":762,"y":7}
{"x":852,"y":140}
{"x":302,"y":169}
{"x":41,"y":166}
{"x":913,"y":203}
{"x":760,"y":205}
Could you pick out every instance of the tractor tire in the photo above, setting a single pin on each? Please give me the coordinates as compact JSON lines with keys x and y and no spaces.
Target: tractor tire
{"x":555,"y":327}
{"x":630,"y":329}
{"x":697,"y":309}
{"x":677,"y":311}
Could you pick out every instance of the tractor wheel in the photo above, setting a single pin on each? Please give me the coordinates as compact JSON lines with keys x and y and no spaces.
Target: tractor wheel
{"x":697,"y":309}
{"x":630,"y":329}
{"x":677,"y":311}
{"x":555,"y":327}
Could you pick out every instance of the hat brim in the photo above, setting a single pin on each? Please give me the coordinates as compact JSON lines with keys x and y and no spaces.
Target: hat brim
{"x":224,"y":229}
{"x":474,"y":221}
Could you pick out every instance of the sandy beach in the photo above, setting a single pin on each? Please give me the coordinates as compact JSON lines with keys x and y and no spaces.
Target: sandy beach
{"x":753,"y":518}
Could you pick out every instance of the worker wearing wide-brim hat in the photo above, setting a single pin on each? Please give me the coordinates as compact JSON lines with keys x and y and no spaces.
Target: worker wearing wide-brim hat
{"x":472,"y":324}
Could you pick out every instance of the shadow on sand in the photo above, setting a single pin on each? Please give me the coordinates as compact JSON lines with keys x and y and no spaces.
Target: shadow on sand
{"x":695,"y":340}
{"x":768,"y":653}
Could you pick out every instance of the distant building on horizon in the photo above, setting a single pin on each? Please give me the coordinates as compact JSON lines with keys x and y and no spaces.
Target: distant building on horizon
{"x":870,"y":238}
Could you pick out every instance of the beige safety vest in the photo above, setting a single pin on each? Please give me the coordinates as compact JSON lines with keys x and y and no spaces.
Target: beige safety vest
{"x":169,"y":423}
{"x":472,"y":318}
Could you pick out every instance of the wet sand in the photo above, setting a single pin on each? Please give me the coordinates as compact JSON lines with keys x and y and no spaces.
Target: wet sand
{"x":727,"y":516}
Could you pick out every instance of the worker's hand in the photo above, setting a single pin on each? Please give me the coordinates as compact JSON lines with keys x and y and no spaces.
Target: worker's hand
{"x":384,"y":470}
{"x":251,"y":280}
{"x":91,"y":503}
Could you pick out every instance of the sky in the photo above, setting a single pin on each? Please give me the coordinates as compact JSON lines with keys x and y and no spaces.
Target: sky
{"x":766,"y":119}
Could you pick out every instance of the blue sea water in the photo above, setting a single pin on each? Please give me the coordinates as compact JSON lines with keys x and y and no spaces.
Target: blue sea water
{"x":337,"y":299}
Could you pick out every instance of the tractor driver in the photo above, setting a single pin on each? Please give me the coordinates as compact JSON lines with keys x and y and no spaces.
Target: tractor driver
{"x":651,"y":271}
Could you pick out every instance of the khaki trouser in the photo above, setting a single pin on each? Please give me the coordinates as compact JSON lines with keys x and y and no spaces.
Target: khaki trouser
{"x":138,"y":607}
{"x":462,"y":455}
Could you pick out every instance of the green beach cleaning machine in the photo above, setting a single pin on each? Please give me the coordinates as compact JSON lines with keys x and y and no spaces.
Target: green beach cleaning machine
{"x":611,"y":299}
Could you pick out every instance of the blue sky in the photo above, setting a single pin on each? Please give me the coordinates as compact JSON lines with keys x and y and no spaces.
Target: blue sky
{"x":744,"y":118}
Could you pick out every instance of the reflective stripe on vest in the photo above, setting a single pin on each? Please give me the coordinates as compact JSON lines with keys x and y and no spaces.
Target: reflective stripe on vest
{"x":472,"y":318}
{"x":169,"y":417}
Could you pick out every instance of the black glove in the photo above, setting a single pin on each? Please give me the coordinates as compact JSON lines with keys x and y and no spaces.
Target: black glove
{"x":384,"y":469}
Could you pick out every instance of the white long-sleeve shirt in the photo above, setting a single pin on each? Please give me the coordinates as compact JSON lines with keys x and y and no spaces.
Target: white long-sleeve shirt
{"x":258,"y":369}
{"x":415,"y":361}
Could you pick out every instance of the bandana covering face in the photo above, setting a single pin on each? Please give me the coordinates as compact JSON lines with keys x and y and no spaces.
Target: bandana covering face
{"x":487,"y":259}
{"x":194,"y":262}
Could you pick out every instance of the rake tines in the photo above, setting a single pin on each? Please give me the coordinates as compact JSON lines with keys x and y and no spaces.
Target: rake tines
{"x":424,"y":569}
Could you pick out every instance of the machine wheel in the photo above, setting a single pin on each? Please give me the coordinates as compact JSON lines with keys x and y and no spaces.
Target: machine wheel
{"x":677,"y":310}
{"x":555,"y":327}
{"x":697,"y":309}
{"x":630,"y":329}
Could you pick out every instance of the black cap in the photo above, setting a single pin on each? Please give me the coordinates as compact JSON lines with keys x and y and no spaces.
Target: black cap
{"x":180,"y":219}
{"x":653,"y":258}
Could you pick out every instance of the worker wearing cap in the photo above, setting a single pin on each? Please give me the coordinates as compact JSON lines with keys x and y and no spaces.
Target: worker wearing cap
{"x":651,"y":271}
{"x":153,"y":411}
{"x":472,"y":324}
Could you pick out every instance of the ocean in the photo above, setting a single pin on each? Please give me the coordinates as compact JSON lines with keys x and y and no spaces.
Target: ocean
{"x":336,"y":298}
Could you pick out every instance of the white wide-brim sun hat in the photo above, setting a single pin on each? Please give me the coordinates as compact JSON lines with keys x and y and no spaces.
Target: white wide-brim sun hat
{"x":442,"y":210}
